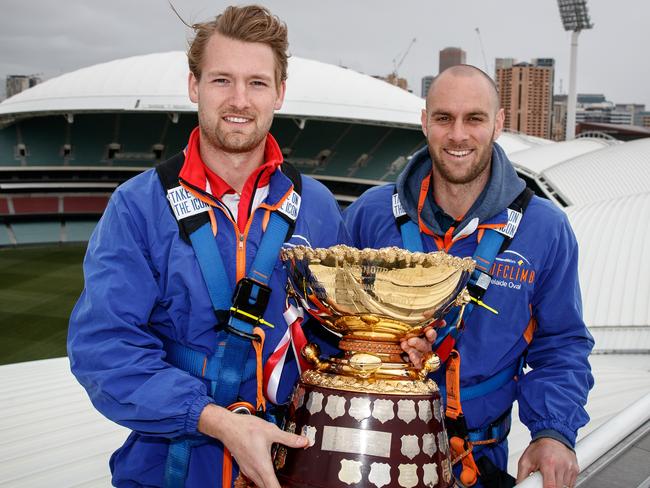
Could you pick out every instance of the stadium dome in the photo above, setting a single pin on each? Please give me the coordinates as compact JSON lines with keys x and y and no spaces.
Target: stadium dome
{"x":158,"y":82}
{"x":614,"y":270}
{"x":355,"y":125}
{"x":613,"y":172}
{"x":534,"y":161}
{"x":513,"y":141}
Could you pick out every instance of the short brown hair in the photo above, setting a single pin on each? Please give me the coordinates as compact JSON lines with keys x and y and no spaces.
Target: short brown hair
{"x":251,"y":23}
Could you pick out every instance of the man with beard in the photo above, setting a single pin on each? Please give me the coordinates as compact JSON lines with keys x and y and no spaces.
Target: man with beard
{"x":157,"y":338}
{"x":461,"y":195}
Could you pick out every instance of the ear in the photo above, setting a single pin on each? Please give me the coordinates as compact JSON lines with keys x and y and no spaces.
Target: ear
{"x":423,"y":121}
{"x":193,"y":88}
{"x":498,"y":123}
{"x":281,"y":92}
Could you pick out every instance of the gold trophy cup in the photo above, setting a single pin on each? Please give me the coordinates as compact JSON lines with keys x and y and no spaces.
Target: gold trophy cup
{"x":372,"y":418}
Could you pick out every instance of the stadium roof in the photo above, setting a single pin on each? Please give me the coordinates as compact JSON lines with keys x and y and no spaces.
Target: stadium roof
{"x":613,"y":172}
{"x":158,"y":82}
{"x":52,"y":435}
{"x":512,"y":142}
{"x":533,"y":161}
{"x":614,"y":268}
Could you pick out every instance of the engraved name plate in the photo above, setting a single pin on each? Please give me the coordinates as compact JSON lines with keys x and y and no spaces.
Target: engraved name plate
{"x":356,"y":441}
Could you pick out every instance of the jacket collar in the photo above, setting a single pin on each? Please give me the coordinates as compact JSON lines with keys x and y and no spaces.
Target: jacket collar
{"x":502,"y":188}
{"x":197,"y":176}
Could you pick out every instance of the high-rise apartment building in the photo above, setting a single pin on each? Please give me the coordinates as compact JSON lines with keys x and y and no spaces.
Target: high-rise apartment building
{"x":17,"y":83}
{"x":558,"y":127}
{"x":426,"y":83}
{"x":450,"y":56}
{"x":526,"y":95}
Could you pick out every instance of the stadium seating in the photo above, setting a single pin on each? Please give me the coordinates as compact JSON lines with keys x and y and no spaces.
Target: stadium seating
{"x":357,"y":141}
{"x":137,"y":134}
{"x":90,"y":136}
{"x":36,"y":232}
{"x":316,"y":136}
{"x":30,"y":204}
{"x":78,"y":231}
{"x":397,"y":143}
{"x":4,"y":235}
{"x":8,"y":146}
{"x":84,"y":204}
{"x":44,"y":138}
{"x":178,"y":134}
{"x":285,"y":129}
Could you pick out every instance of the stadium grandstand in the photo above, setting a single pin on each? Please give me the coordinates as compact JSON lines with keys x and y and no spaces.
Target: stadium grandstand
{"x":67,"y":143}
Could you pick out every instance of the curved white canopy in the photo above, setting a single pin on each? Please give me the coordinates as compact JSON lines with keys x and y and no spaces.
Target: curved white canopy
{"x":158,"y":82}
{"x":616,"y":171}
{"x":537,"y":159}
{"x":614,"y":267}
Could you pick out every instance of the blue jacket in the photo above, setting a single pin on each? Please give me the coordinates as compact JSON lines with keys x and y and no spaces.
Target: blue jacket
{"x":141,"y":277}
{"x":534,"y":279}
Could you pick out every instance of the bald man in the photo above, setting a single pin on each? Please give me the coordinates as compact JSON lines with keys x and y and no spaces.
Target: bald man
{"x":461,"y":195}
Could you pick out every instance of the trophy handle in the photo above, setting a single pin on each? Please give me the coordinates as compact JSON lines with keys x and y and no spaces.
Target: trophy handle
{"x":430,"y":363}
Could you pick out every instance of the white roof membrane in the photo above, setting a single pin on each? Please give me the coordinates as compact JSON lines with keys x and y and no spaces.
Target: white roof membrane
{"x":614,"y":267}
{"x":539,"y":158}
{"x":616,"y":171}
{"x":158,"y":82}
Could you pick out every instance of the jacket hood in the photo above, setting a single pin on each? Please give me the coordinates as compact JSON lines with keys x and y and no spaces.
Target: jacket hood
{"x":501,"y":190}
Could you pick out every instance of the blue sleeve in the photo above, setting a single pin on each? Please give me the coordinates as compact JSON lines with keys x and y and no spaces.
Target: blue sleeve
{"x":370,"y":221}
{"x":552,"y":395}
{"x":325,"y":223}
{"x":112,"y":353}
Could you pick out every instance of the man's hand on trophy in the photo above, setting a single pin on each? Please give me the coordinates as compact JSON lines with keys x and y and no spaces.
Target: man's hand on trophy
{"x":249,"y":440}
{"x":417,"y":346}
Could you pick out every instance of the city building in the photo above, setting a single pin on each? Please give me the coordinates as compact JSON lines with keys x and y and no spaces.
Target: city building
{"x":635,"y":109}
{"x":450,"y":56}
{"x":526,"y":95}
{"x":503,"y":63}
{"x":644,"y":118}
{"x":597,"y":109}
{"x":426,"y":83}
{"x":394,"y":79}
{"x":17,"y":83}
{"x":558,"y":126}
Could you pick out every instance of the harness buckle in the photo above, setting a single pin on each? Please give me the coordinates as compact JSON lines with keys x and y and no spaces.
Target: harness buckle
{"x":478,"y":284}
{"x":233,"y":330}
{"x":457,"y":427}
{"x":250,"y":301}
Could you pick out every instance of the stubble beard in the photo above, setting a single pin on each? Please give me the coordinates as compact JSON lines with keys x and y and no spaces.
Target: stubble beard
{"x":474,"y":171}
{"x":231,"y":142}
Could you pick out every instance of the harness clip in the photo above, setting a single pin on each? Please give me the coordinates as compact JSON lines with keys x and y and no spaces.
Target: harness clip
{"x":250,"y":301}
{"x":457,"y":427}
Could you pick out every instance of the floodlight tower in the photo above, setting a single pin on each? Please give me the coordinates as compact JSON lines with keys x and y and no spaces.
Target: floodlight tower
{"x":575,"y":18}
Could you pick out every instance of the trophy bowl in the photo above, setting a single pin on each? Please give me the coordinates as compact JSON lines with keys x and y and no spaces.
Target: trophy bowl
{"x":373,"y":418}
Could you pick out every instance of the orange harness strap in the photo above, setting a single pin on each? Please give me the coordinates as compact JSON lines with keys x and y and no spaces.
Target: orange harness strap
{"x":460,"y":446}
{"x":226,"y":478}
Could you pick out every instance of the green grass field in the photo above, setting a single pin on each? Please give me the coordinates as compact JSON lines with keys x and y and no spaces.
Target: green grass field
{"x":38,"y":288}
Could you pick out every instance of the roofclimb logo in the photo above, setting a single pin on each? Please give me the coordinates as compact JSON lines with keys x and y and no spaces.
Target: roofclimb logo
{"x":512,"y":270}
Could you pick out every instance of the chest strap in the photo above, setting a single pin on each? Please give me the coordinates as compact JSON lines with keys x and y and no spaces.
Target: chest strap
{"x":238,"y":313}
{"x":493,"y":242}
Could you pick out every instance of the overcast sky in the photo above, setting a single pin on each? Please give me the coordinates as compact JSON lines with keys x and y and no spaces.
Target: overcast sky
{"x":51,"y":37}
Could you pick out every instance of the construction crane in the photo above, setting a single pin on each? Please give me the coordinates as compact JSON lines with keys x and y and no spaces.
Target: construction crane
{"x":480,"y":40}
{"x":396,"y":63}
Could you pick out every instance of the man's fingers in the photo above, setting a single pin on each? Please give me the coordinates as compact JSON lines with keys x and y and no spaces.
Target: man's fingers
{"x":523,"y":472}
{"x":416,"y":358}
{"x":291,"y":440}
{"x":570,"y":475}
{"x":431,"y":335}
